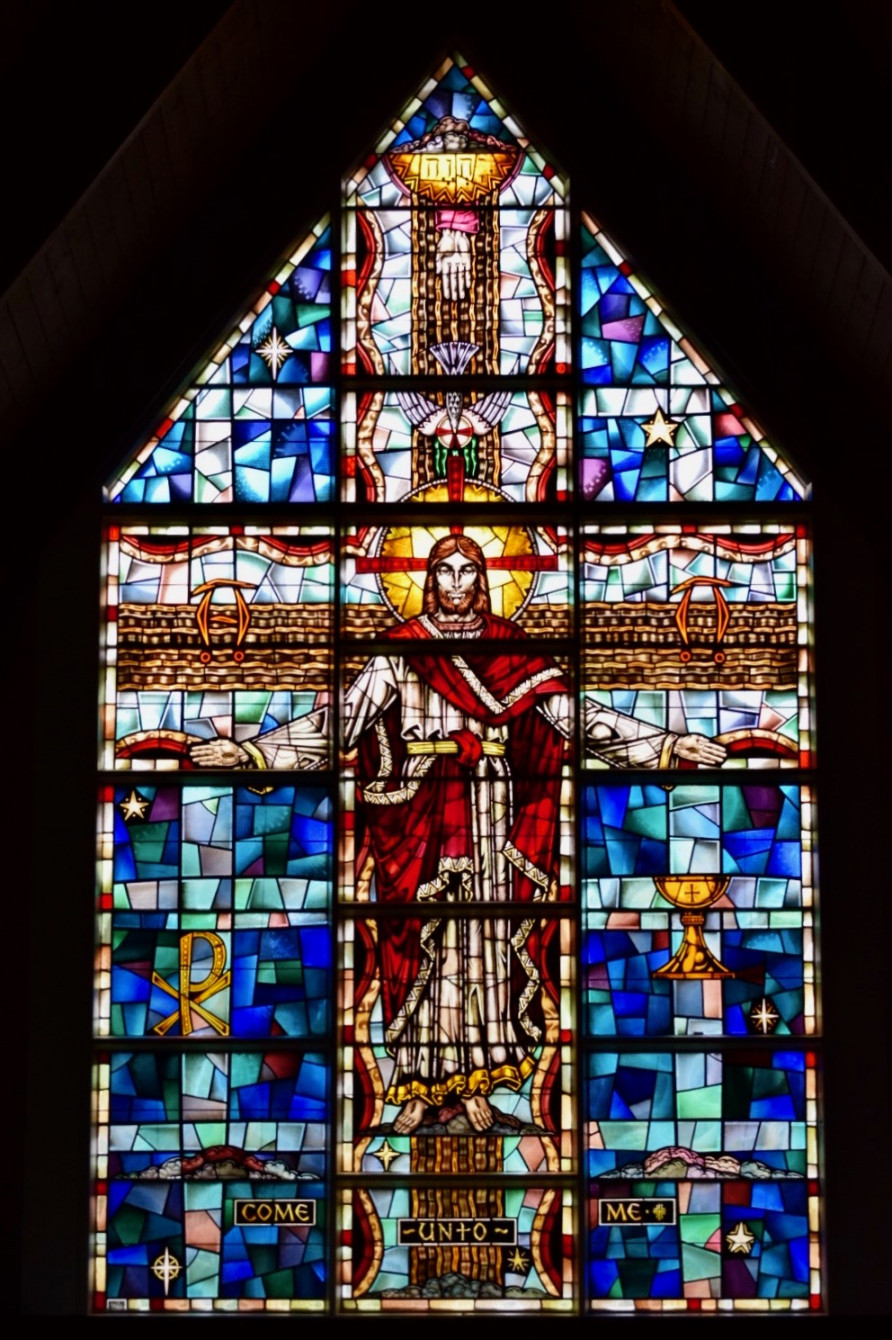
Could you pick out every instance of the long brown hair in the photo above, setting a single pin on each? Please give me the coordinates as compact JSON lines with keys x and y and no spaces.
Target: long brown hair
{"x":468,"y":548}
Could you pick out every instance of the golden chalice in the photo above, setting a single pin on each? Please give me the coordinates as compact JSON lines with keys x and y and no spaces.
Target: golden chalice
{"x":692,"y":895}
{"x":462,"y":177}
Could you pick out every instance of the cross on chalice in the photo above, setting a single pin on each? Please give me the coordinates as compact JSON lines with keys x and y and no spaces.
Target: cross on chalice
{"x":692,"y":895}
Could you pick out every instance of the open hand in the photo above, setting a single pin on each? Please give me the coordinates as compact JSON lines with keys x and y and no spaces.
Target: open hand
{"x":219,"y":754}
{"x":454,"y":263}
{"x":700,"y":749}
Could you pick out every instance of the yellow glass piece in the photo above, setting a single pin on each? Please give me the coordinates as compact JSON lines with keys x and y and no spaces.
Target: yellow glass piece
{"x":463,"y":178}
{"x":508,"y":586}
{"x":692,"y":895}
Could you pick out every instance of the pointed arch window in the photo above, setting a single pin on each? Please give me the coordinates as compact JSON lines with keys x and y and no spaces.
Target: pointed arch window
{"x":456,"y":911}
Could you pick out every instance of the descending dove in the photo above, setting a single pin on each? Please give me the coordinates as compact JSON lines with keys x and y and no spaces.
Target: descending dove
{"x":456,"y":429}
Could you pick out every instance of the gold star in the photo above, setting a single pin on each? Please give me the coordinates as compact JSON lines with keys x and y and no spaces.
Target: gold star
{"x":518,"y":1262}
{"x":660,"y":429}
{"x":273,"y":351}
{"x":386,"y":1154}
{"x":764,"y":1016}
{"x":133,"y":806}
{"x":740,"y":1239}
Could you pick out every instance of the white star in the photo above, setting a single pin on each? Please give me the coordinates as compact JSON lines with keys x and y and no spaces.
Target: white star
{"x":740,"y":1239}
{"x":166,"y":1268}
{"x":386,"y":1154}
{"x":660,"y":429}
{"x":133,"y":806}
{"x":273,"y":351}
{"x":764,"y":1016}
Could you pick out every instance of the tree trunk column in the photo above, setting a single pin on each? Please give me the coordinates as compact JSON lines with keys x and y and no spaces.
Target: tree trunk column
{"x":474,"y":1154}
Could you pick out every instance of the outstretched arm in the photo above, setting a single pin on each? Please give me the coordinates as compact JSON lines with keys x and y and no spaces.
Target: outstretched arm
{"x":302,"y":744}
{"x":626,"y":742}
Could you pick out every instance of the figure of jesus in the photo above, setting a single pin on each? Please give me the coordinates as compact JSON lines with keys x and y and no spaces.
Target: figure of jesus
{"x":459,"y":752}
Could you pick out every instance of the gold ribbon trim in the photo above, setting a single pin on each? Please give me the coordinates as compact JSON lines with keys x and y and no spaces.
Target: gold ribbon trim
{"x":462,"y":1086}
{"x":496,"y":748}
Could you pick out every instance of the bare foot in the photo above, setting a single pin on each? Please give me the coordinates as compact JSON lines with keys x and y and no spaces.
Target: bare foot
{"x":410,"y":1117}
{"x":479,"y":1112}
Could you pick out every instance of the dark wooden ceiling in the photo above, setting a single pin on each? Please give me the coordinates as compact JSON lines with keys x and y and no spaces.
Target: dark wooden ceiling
{"x":677,"y":154}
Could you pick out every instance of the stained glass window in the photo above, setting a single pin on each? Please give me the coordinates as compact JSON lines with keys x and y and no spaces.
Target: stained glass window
{"x":456,"y":906}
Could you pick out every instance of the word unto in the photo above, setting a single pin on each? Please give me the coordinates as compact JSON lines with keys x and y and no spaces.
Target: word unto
{"x":502,"y":1232}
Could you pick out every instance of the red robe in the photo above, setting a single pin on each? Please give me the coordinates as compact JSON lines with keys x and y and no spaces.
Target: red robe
{"x":408,"y":840}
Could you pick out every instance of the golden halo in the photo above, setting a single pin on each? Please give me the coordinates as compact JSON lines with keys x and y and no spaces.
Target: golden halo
{"x":509,"y":588}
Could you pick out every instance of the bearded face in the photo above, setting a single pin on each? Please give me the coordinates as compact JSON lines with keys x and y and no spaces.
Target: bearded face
{"x":456,"y":584}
